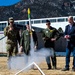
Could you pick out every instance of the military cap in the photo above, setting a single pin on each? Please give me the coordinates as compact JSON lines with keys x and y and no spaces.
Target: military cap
{"x":11,"y":19}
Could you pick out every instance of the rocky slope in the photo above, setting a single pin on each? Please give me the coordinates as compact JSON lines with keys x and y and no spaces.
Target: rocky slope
{"x":39,"y":9}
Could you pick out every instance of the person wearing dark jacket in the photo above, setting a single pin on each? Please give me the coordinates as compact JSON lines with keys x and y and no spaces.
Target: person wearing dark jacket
{"x":50,"y":35}
{"x":70,"y":38}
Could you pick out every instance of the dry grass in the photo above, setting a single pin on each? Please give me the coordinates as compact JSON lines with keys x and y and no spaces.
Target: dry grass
{"x":60,"y":64}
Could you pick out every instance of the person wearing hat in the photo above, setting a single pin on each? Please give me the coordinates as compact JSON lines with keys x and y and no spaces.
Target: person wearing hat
{"x":13,"y":37}
{"x":50,"y":35}
{"x":26,"y":40}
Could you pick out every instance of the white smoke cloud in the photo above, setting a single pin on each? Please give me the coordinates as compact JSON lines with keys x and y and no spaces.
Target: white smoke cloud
{"x":19,"y":62}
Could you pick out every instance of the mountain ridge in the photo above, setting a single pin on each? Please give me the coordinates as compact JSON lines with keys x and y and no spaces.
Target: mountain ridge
{"x":39,"y":9}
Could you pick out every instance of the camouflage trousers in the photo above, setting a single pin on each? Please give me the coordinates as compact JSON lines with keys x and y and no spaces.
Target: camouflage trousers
{"x":12,"y":49}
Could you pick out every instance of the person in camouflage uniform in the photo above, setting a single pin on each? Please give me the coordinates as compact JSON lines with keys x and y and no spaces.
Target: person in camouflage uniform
{"x":50,"y":35}
{"x":13,"y":38}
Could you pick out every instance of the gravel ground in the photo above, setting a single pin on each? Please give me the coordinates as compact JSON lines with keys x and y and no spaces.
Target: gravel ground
{"x":60,"y":64}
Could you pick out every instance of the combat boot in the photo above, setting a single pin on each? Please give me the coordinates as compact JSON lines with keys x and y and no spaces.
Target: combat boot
{"x":49,"y":66}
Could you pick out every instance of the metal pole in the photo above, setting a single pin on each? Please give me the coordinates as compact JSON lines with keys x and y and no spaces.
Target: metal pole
{"x":39,"y":68}
{"x":24,"y":69}
{"x":33,"y":63}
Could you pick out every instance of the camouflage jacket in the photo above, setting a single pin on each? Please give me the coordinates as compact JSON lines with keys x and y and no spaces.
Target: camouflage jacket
{"x":12,"y":35}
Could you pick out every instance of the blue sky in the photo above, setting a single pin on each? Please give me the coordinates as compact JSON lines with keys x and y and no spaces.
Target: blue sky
{"x":8,"y":2}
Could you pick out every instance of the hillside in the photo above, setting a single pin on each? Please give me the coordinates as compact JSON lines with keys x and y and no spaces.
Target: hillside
{"x":39,"y":9}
